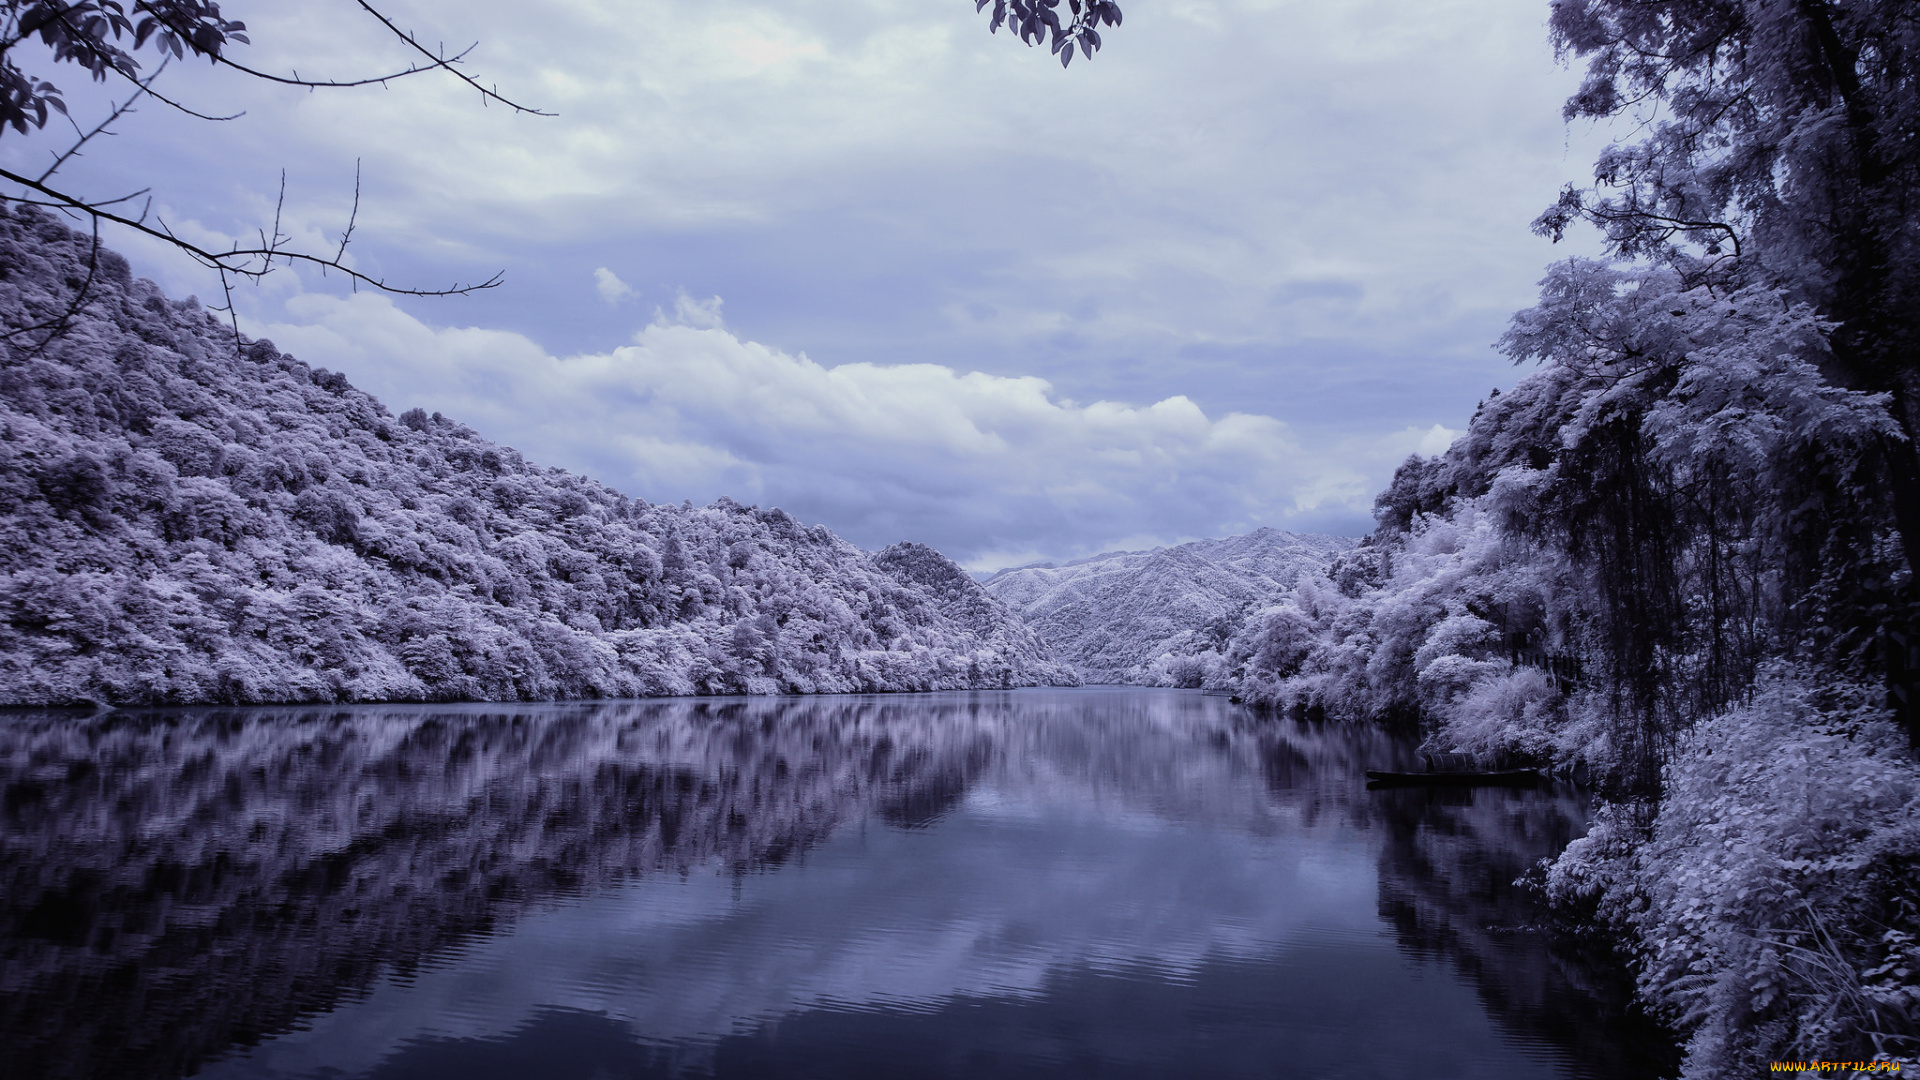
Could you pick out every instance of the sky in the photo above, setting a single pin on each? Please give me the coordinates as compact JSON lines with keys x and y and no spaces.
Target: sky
{"x":864,"y":261}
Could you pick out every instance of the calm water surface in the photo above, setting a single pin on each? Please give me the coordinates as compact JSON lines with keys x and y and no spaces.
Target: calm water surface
{"x":1100,"y":883}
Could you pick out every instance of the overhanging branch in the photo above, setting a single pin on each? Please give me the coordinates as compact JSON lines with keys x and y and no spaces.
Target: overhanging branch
{"x":250,"y":263}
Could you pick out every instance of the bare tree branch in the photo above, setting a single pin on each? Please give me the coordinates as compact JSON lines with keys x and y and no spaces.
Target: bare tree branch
{"x":444,"y":62}
{"x":352,"y":217}
{"x":156,"y":95}
{"x":118,"y":111}
{"x":250,"y":263}
{"x":438,"y":63}
{"x":88,"y":33}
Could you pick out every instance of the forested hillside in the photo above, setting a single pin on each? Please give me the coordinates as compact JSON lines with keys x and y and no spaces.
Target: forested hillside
{"x":1679,"y":554}
{"x":1160,"y":617}
{"x":1655,"y":560}
{"x":181,"y":521}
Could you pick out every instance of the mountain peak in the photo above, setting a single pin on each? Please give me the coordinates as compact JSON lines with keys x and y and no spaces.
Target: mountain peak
{"x":1114,"y":615}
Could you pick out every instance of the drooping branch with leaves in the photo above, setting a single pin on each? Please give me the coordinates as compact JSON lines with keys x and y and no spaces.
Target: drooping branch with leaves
{"x":1038,"y":21}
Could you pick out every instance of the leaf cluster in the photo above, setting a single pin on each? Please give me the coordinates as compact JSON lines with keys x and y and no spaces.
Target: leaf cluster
{"x":100,"y":36}
{"x":1037,"y":21}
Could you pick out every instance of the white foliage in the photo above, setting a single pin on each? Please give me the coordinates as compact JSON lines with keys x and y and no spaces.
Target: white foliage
{"x":1769,"y":891}
{"x":179,"y":523}
{"x":1126,"y":616}
{"x":1772,"y":903}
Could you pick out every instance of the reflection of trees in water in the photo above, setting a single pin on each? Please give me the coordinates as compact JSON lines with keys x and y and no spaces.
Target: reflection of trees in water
{"x":175,"y":883}
{"x":1449,"y":862}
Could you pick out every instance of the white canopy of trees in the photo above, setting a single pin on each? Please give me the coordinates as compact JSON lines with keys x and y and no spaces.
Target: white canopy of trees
{"x":1155,"y":617}
{"x":185,"y":521}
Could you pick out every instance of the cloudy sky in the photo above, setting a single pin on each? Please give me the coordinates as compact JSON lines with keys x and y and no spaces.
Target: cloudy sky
{"x":862,"y":260}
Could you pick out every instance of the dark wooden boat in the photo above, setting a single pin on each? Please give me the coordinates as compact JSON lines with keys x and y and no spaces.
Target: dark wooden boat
{"x":1381,"y":778}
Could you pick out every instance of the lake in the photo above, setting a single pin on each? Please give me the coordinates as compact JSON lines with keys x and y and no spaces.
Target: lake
{"x":1107,"y":882}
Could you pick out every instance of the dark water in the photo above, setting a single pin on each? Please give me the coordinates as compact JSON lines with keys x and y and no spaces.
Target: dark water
{"x":1100,"y":883}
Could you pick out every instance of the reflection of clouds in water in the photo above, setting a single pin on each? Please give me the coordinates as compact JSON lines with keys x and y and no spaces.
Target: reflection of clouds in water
{"x":397,"y":875}
{"x":989,"y":903}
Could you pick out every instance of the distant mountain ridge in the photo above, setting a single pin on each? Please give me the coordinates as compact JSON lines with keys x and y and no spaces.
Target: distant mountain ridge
{"x":1117,"y":615}
{"x":183,"y":521}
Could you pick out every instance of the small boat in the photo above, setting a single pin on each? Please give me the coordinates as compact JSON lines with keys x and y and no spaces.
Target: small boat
{"x":1381,"y":778}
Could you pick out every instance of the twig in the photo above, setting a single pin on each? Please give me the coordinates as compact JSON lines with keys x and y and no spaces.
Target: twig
{"x":352,"y":218}
{"x":442,"y":61}
{"x":118,"y":111}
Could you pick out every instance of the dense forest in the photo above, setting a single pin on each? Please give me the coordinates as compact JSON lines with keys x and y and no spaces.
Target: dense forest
{"x":184,"y":520}
{"x":1678,"y":555}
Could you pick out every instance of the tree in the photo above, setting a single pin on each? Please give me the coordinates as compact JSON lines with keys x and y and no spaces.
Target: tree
{"x":1782,"y":147}
{"x":105,"y":38}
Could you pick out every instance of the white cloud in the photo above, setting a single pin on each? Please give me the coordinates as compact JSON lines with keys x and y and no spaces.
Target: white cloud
{"x":609,"y":286}
{"x":1295,"y":226}
{"x":1434,"y":440}
{"x":704,"y":314}
{"x":973,"y":463}
{"x":861,"y":177}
